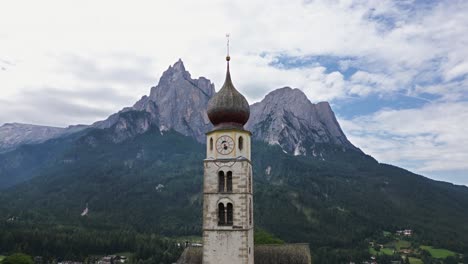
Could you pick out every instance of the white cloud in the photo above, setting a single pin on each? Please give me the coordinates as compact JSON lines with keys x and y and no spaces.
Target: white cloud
{"x":58,"y":54}
{"x":427,"y":140}
{"x":36,"y":38}
{"x":457,"y":71}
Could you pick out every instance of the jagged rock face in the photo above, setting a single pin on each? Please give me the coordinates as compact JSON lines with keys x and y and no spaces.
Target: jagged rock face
{"x":15,"y":134}
{"x":178,"y":102}
{"x":284,"y":117}
{"x":132,"y":123}
{"x":182,"y":102}
{"x":287,"y":118}
{"x":111,"y":120}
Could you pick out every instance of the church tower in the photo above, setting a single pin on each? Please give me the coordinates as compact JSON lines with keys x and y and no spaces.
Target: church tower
{"x":227,"y":182}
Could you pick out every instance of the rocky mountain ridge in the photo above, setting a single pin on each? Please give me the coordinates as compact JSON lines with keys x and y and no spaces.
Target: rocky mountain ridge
{"x":332,"y":201}
{"x":287,"y":118}
{"x":178,"y":102}
{"x":15,"y":134}
{"x":284,"y":117}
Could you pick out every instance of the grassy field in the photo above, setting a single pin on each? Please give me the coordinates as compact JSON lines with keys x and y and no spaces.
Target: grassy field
{"x":415,"y":260}
{"x":402,"y":244}
{"x":438,"y":252}
{"x":398,"y":244}
{"x":386,"y":251}
{"x":373,"y":252}
{"x":2,"y":258}
{"x":386,"y":233}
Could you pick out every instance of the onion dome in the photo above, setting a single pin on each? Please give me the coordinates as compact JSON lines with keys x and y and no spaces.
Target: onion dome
{"x":228,"y":108}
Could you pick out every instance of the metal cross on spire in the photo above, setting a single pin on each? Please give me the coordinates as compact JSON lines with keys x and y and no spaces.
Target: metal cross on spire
{"x":227,"y":56}
{"x":227,"y":37}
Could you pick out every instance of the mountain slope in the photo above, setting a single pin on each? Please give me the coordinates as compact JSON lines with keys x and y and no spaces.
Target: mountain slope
{"x":141,"y":170}
{"x":152,"y":182}
{"x":284,"y":117}
{"x":28,"y":160}
{"x":13,"y":135}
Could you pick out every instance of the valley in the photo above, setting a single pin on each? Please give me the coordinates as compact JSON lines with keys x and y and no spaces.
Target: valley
{"x":140,"y":173}
{"x":410,"y":250}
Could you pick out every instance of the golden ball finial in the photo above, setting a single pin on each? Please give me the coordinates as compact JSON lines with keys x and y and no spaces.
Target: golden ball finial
{"x":228,"y":58}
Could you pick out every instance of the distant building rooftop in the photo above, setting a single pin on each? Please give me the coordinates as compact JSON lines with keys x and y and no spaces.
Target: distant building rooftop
{"x":263,"y":254}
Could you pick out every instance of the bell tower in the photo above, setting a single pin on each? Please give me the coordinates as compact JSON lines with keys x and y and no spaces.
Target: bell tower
{"x":227,"y":181}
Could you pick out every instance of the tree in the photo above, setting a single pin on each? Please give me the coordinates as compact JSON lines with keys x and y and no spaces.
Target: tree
{"x":450,"y":260}
{"x":18,"y":258}
{"x":264,"y":237}
{"x":407,"y":260}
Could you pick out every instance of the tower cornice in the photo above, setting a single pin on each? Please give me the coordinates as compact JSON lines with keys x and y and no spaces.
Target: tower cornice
{"x":228,"y":130}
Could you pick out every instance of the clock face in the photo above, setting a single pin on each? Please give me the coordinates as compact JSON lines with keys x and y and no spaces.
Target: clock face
{"x":224,"y":145}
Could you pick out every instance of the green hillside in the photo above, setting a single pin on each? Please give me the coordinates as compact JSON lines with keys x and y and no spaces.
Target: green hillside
{"x":152,"y":183}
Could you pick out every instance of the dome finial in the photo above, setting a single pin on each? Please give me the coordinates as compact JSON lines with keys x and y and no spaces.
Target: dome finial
{"x":228,"y":108}
{"x":228,"y":58}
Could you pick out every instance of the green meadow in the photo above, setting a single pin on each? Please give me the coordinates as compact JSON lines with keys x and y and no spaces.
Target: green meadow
{"x":439,"y":252}
{"x":386,"y":251}
{"x":402,"y":244}
{"x":415,"y":260}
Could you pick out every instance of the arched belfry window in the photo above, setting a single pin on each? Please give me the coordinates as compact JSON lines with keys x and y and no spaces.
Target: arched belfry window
{"x":211,"y":144}
{"x":250,"y":211}
{"x":221,"y":214}
{"x":229,"y":214}
{"x":229,"y":181}
{"x":241,"y":143}
{"x":225,"y":214}
{"x":250,"y":182}
{"x":221,"y":181}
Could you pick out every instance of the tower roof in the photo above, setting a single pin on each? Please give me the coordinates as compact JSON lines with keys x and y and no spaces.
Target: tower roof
{"x":228,"y":108}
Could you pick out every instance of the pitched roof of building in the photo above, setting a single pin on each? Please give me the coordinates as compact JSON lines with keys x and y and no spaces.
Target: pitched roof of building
{"x":263,"y":254}
{"x":191,"y":255}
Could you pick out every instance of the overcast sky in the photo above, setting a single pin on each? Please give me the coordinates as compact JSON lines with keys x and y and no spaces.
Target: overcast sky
{"x":395,"y":72}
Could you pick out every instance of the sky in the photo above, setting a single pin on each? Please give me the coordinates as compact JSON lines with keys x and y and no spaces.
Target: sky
{"x":395,"y":72}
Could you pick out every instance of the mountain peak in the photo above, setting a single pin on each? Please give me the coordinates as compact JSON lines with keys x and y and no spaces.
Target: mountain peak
{"x":287,"y":118}
{"x":286,"y":90}
{"x":181,"y":101}
{"x":177,"y":77}
{"x":179,"y":66}
{"x":176,"y":71}
{"x":284,"y":117}
{"x":178,"y":102}
{"x":287,"y":97}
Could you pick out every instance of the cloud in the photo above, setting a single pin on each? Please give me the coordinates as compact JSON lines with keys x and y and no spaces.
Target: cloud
{"x":55,"y":107}
{"x":431,"y":139}
{"x":91,"y":58}
{"x":116,"y":68}
{"x":457,"y":71}
{"x":418,"y":45}
{"x":405,"y":42}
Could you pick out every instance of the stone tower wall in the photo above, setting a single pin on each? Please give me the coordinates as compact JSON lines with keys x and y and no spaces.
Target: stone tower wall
{"x":228,"y":244}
